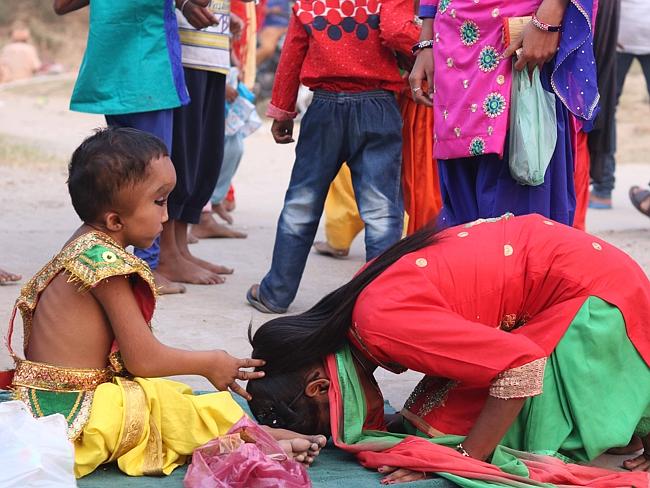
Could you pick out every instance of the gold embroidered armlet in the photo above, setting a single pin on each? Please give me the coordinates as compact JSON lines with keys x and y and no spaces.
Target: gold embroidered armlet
{"x":95,"y":257}
{"x":520,"y":382}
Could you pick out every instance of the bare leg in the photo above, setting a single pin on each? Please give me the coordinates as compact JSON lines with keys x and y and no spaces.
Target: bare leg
{"x":180,"y":230}
{"x":173,"y":264}
{"x":7,"y":277}
{"x":208,"y":228}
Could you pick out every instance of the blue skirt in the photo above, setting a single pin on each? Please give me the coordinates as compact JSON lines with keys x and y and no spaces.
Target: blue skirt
{"x":481,"y":186}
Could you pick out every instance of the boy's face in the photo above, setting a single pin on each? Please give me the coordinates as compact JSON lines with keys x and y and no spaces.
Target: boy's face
{"x":144,"y":205}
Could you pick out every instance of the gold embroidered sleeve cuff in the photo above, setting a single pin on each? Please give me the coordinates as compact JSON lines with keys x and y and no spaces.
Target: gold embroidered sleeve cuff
{"x":523,"y":381}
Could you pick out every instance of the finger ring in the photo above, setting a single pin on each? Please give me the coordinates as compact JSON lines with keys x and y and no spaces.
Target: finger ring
{"x":416,"y":89}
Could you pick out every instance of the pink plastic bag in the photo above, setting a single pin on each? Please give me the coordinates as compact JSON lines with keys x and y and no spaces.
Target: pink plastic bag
{"x":247,"y":457}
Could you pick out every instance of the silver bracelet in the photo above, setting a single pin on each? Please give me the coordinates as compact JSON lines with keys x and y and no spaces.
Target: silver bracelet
{"x":462,"y":450}
{"x":185,"y":2}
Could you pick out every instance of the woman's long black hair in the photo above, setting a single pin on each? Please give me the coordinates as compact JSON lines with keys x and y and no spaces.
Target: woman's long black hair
{"x":290,"y":344}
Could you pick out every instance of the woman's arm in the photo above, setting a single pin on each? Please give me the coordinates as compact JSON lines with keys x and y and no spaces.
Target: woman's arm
{"x":492,"y":424}
{"x":423,"y":67}
{"x":538,"y":46}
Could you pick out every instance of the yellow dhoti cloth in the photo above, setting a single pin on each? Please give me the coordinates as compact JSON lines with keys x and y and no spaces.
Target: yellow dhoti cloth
{"x":150,"y":426}
{"x":342,"y":219}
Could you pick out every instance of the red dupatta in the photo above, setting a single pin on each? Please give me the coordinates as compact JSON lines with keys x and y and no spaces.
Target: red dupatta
{"x":375,"y":448}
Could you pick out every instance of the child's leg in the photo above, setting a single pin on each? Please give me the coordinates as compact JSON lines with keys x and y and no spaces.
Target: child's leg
{"x":319,"y":154}
{"x":376,"y":162}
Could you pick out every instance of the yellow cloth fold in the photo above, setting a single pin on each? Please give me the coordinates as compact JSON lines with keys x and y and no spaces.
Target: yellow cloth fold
{"x":342,"y":219}
{"x":150,"y":426}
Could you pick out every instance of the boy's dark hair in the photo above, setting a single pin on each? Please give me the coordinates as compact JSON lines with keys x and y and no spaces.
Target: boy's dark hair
{"x":104,"y":163}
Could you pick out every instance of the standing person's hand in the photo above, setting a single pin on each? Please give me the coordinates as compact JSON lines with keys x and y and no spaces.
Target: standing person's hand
{"x":231,"y":94}
{"x":236,"y":25}
{"x":198,"y":16}
{"x":226,"y":370}
{"x":282,"y":131}
{"x":422,"y":71}
{"x":536,"y":47}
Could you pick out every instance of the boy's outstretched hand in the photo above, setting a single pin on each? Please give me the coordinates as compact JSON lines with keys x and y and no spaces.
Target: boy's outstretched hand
{"x":282,"y":131}
{"x":226,"y":370}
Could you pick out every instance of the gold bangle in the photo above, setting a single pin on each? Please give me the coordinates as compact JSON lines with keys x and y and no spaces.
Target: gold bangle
{"x":185,"y":2}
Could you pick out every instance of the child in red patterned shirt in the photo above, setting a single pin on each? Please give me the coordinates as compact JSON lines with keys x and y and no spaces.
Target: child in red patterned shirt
{"x":344,"y":51}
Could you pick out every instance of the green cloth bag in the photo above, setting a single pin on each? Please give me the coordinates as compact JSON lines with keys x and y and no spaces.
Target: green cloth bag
{"x":533,"y":128}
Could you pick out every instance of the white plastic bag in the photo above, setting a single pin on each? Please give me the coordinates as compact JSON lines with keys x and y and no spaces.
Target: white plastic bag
{"x":34,"y":452}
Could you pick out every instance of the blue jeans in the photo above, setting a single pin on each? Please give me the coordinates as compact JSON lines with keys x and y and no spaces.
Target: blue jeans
{"x":364,"y":129}
{"x":604,"y":186}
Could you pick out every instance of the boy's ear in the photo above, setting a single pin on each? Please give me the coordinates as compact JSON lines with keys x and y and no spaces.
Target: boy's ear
{"x":113,"y":222}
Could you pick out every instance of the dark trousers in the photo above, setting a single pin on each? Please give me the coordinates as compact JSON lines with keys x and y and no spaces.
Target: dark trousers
{"x":604,"y":186}
{"x":197,"y":147}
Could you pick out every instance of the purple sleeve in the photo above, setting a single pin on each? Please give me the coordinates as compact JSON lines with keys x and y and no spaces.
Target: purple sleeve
{"x":574,"y":75}
{"x":428,"y":9}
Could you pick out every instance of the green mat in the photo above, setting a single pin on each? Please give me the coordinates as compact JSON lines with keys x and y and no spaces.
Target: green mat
{"x":333,"y":468}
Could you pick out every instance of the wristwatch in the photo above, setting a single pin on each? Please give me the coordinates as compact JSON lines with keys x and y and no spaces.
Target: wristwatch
{"x":421,"y":45}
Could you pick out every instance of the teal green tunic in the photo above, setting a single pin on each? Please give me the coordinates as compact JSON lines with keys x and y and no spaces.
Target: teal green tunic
{"x":132,"y":61}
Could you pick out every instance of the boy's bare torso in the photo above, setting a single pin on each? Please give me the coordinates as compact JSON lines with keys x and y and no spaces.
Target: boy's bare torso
{"x":69,"y":326}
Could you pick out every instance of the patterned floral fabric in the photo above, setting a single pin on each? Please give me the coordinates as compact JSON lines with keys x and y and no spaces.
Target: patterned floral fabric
{"x":342,"y":46}
{"x":473,"y":83}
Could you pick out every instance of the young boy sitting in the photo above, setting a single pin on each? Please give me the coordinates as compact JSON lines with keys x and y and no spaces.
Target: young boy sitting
{"x":90,"y":352}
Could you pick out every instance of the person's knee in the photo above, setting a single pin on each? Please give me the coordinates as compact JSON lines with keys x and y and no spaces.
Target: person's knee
{"x":301,"y":212}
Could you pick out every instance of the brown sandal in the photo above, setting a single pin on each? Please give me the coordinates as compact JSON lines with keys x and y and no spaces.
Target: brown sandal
{"x":638,"y":197}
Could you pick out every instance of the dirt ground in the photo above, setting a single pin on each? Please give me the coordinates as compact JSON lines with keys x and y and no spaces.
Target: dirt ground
{"x":38,"y":133}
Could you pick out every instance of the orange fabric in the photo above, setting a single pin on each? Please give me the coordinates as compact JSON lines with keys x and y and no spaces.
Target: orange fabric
{"x":422,"y":200}
{"x":581,"y":180}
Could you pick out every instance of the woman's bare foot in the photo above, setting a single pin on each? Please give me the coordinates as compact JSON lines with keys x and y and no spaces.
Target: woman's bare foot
{"x":177,"y":268}
{"x":6,"y":277}
{"x":165,"y":286}
{"x":634,"y":446}
{"x":399,"y":475}
{"x":642,"y":462}
{"x":208,"y":228}
{"x":223,"y":211}
{"x":303,"y":449}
